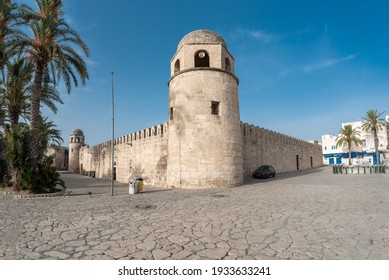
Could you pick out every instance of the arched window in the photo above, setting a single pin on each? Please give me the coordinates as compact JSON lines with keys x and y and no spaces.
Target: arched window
{"x":201,"y":59}
{"x":177,"y":66}
{"x":228,"y":65}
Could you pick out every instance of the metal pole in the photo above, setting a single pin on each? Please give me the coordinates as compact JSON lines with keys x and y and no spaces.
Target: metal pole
{"x":113,"y":139}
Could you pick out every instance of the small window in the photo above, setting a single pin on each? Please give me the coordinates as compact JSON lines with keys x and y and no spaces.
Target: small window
{"x":171,"y":113}
{"x":228,"y":65}
{"x":215,"y":108}
{"x":177,"y":66}
{"x":201,"y":59}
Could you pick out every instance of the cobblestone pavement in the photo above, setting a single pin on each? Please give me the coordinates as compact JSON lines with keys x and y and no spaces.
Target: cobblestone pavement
{"x":315,"y":215}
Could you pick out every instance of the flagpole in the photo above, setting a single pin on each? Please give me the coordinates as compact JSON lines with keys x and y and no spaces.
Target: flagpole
{"x":113,"y":139}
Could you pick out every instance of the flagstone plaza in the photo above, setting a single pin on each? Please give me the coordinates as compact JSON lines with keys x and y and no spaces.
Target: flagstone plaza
{"x":303,"y":215}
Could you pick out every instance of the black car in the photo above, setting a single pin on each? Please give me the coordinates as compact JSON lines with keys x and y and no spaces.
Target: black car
{"x":264,"y":171}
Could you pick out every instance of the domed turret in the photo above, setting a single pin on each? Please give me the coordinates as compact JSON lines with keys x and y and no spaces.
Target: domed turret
{"x":201,"y":37}
{"x":77,"y":139}
{"x":202,"y":48}
{"x":204,"y":144}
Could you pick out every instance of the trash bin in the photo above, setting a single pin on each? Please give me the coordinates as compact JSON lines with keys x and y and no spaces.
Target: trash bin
{"x":132,"y":187}
{"x":140,"y":184}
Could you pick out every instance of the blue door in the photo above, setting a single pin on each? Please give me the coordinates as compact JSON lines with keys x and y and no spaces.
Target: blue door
{"x":331,"y":160}
{"x":338,"y":160}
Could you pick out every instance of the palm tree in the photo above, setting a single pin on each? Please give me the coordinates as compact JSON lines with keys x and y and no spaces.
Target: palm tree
{"x":50,"y":48}
{"x":8,"y":18}
{"x":49,"y":135}
{"x":373,"y":123}
{"x":348,"y":136}
{"x":16,"y":149}
{"x":15,"y":90}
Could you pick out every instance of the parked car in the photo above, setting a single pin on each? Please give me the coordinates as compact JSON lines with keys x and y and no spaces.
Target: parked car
{"x":264,"y":171}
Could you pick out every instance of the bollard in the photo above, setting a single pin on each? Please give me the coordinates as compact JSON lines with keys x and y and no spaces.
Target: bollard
{"x":358,"y":169}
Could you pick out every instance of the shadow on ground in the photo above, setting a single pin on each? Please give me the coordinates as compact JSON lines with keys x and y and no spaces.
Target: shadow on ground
{"x":283,"y":176}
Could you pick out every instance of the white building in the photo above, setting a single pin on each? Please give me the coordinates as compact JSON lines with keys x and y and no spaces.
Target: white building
{"x":364,"y":154}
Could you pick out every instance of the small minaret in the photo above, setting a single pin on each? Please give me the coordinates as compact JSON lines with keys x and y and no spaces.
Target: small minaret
{"x":204,"y":140}
{"x":77,"y":140}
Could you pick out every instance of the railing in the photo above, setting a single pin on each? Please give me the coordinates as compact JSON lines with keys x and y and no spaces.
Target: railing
{"x":360,"y":169}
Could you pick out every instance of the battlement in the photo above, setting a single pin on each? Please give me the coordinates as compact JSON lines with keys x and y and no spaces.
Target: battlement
{"x":250,"y":131}
{"x":284,"y":152}
{"x":156,"y":131}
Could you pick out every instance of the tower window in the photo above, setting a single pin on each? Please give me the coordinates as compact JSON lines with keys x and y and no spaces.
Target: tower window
{"x":228,"y":65}
{"x":171,"y":113}
{"x":215,"y":108}
{"x":177,"y":66}
{"x":201,"y":59}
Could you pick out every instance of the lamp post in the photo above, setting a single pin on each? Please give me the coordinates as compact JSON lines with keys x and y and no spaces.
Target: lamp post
{"x":113,"y":139}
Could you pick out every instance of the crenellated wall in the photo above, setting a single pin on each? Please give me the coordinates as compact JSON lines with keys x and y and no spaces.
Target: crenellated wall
{"x":285,"y":153}
{"x":139,"y":154}
{"x":145,"y":154}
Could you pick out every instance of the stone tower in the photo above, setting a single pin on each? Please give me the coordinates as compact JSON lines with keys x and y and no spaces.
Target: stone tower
{"x":77,"y":139}
{"x":205,"y":141}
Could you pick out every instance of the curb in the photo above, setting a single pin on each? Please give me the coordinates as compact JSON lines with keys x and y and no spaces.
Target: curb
{"x":60,"y":193}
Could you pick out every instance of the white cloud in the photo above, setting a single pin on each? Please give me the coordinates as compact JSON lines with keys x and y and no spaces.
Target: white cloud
{"x":257,"y":34}
{"x":326,"y":63}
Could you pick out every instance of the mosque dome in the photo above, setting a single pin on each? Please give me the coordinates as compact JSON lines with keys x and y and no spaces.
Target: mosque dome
{"x":77,"y":131}
{"x":201,"y":37}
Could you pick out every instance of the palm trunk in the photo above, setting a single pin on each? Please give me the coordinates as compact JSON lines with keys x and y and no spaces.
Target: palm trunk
{"x":34,"y":145}
{"x":36,"y":98}
{"x":377,"y":154}
{"x":3,"y":159}
{"x":16,"y":179}
{"x":13,"y":117}
{"x":349,"y":153}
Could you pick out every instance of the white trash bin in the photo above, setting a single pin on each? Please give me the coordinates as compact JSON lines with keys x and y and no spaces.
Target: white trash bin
{"x":133,"y":187}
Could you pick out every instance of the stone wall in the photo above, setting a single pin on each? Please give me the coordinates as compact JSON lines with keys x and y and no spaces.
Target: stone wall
{"x":60,"y":157}
{"x":145,"y":154}
{"x":263,"y":146}
{"x":140,"y":154}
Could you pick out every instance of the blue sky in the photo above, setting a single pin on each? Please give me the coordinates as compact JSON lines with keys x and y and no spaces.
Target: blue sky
{"x":304,"y":66}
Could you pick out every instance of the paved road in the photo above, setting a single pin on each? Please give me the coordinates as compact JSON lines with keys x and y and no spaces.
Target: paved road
{"x":315,"y":215}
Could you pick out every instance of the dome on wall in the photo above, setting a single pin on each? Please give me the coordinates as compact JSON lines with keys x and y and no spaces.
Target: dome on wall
{"x":77,"y":131}
{"x":201,"y":37}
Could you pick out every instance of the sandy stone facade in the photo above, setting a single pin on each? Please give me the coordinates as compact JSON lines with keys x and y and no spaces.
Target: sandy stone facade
{"x":204,"y":143}
{"x":61,"y":157}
